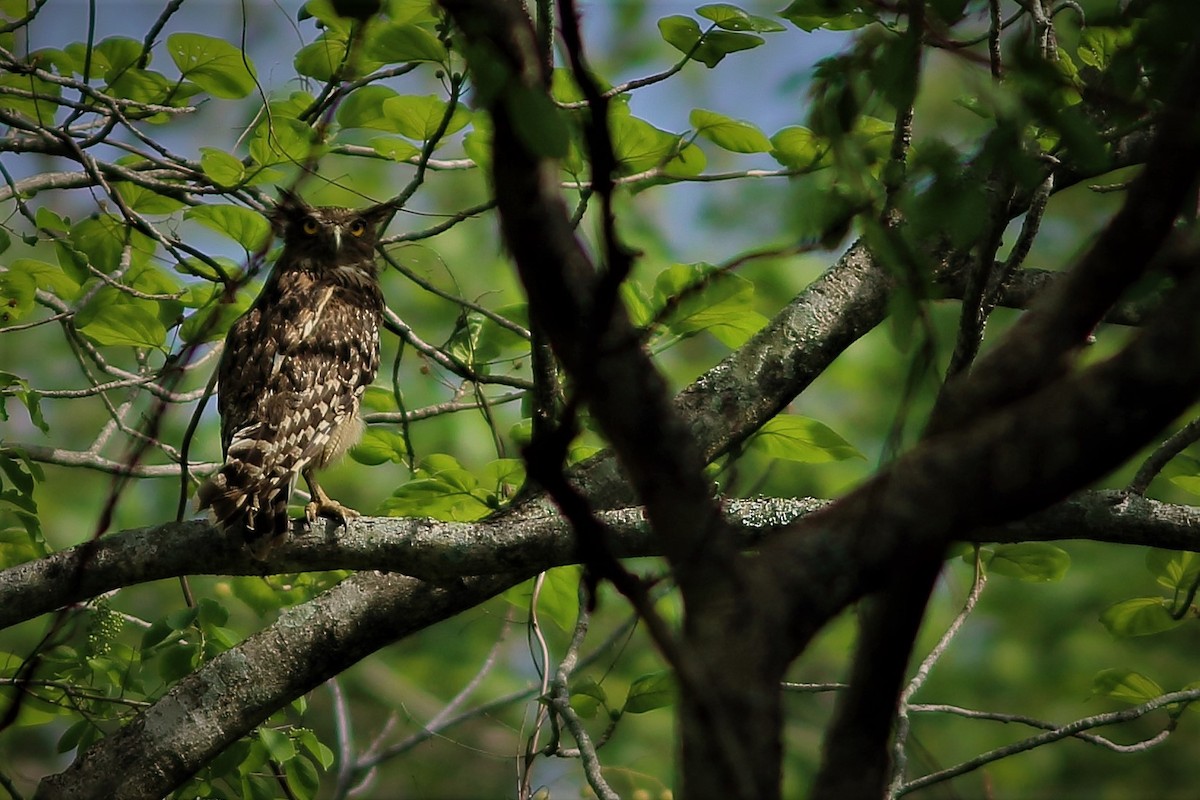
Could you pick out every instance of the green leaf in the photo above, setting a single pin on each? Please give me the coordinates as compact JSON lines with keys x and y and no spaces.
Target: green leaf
{"x":797,"y":147}
{"x":640,"y":146}
{"x":1033,"y":562}
{"x":394,"y":43}
{"x":225,"y":169}
{"x":679,"y":31}
{"x":177,"y":662}
{"x":683,"y":33}
{"x":147,"y":201}
{"x":732,"y":18}
{"x":1098,"y":44}
{"x":308,"y":740}
{"x":380,"y":445}
{"x":587,"y":696}
{"x":321,"y":58}
{"x":731,"y":134}
{"x":796,"y":438}
{"x":41,"y":111}
{"x":283,"y":140}
{"x":124,"y":324}
{"x":656,"y":690}
{"x":1140,"y":616}
{"x":364,"y":109}
{"x":148,"y":86}
{"x":302,"y":778}
{"x":394,"y":147}
{"x":17,"y":292}
{"x":1176,"y":570}
{"x":71,"y":736}
{"x":1184,"y":472}
{"x":447,"y":494}
{"x":212,"y":613}
{"x":18,"y":287}
{"x":503,"y":472}
{"x":1126,"y":685}
{"x":701,"y":300}
{"x":50,"y":277}
{"x":477,"y":143}
{"x":248,"y":228}
{"x":102,"y":239}
{"x":113,"y":55}
{"x":834,"y":15}
{"x":559,"y":598}
{"x":279,"y":746}
{"x":420,"y":117}
{"x":258,"y":787}
{"x":213,"y":64}
{"x":47,"y":220}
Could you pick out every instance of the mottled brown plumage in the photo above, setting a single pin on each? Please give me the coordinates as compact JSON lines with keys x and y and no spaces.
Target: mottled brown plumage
{"x":293,"y":371}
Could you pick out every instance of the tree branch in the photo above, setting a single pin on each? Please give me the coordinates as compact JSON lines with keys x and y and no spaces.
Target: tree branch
{"x":236,"y":691}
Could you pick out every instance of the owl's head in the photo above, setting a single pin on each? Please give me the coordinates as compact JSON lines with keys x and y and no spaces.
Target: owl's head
{"x":327,"y":232}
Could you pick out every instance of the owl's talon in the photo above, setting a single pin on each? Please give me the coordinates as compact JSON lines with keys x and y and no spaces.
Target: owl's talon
{"x":330,"y":509}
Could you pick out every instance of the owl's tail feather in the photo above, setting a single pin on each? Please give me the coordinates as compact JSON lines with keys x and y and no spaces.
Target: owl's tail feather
{"x":243,"y":501}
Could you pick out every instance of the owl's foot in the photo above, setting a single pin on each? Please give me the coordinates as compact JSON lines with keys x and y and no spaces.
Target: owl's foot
{"x":330,"y":509}
{"x":322,"y":506}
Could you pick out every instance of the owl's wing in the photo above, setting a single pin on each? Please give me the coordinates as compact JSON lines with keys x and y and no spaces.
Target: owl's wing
{"x":286,"y":313}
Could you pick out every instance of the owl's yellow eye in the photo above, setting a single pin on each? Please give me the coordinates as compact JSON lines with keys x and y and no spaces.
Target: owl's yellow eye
{"x":358,"y":227}
{"x":311,"y":226}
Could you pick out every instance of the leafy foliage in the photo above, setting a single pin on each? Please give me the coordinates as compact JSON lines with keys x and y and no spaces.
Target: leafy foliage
{"x":142,"y":233}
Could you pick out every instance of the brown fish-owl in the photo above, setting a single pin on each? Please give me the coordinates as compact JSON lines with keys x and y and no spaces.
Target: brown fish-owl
{"x":294,"y":369}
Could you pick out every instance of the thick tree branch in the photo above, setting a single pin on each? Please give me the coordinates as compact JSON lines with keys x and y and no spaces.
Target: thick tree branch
{"x":236,"y":691}
{"x":1004,"y":466}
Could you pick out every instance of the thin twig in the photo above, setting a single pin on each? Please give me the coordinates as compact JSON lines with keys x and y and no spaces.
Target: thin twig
{"x":1061,"y":732}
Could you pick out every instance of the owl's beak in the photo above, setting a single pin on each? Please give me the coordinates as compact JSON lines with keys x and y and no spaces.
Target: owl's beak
{"x":337,"y":238}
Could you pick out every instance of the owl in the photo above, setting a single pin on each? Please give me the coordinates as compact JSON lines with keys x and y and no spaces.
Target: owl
{"x":294,"y":369}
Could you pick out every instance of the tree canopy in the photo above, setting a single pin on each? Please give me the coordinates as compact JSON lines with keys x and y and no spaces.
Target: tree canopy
{"x":773,"y":400}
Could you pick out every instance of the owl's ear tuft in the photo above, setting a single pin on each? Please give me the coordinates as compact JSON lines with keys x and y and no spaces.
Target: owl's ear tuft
{"x":376,"y":214}
{"x":288,"y":208}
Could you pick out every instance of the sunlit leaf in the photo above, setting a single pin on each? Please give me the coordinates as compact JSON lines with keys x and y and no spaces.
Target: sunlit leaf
{"x":736,"y":135}
{"x":640,"y":146}
{"x":363,"y":108}
{"x":1140,"y":616}
{"x":683,"y":33}
{"x":401,"y":42}
{"x":1034,"y":562}
{"x":834,"y":15}
{"x":732,"y":18}
{"x":224,"y":168}
{"x":248,"y":228}
{"x":1177,"y":570}
{"x":145,"y":200}
{"x":380,"y":445}
{"x":587,"y":696}
{"x":125,"y":324}
{"x":283,"y":140}
{"x":1126,"y":685}
{"x":797,"y":147}
{"x":213,"y":64}
{"x":656,"y":690}
{"x":699,"y":300}
{"x":103,"y":238}
{"x":394,"y":147}
{"x":420,"y":117}
{"x":796,"y":438}
{"x":321,"y":58}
